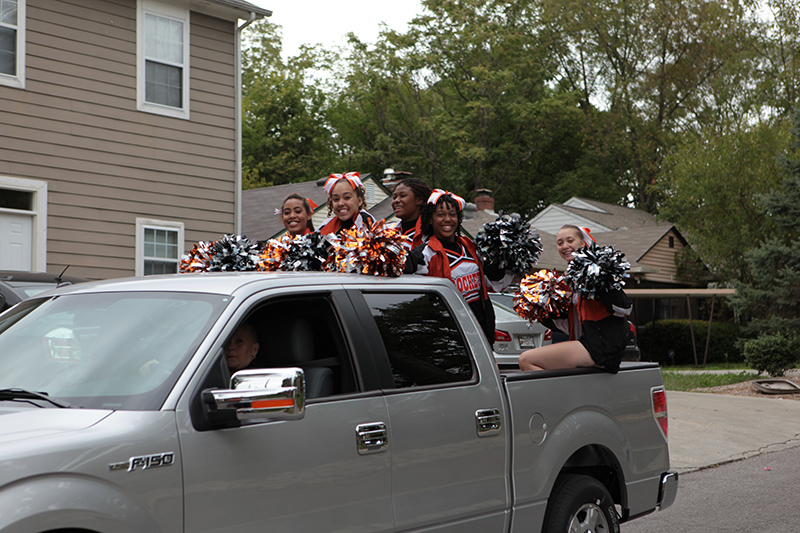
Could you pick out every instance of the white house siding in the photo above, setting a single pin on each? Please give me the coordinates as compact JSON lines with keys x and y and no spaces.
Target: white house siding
{"x":76,"y":126}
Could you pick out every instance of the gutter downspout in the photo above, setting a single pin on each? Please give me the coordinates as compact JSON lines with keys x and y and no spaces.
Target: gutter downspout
{"x":237,"y":199}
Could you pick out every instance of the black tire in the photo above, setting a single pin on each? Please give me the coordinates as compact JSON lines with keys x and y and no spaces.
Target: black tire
{"x":580,"y":504}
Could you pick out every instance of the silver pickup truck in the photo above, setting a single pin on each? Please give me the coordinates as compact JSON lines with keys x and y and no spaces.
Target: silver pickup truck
{"x":372,"y":405}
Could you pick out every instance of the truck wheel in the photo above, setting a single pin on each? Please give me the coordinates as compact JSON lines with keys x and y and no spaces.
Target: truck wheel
{"x":580,"y":504}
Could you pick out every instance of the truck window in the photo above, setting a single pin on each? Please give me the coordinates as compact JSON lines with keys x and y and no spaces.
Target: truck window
{"x":421,"y":337}
{"x":304,"y":331}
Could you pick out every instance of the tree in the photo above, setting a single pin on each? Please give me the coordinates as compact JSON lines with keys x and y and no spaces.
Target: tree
{"x":654,"y":66}
{"x":285,"y":134}
{"x":710,"y":186}
{"x":775,"y":50}
{"x":770,"y":301}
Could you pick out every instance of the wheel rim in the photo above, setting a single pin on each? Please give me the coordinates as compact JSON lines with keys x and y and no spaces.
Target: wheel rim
{"x":589,"y":519}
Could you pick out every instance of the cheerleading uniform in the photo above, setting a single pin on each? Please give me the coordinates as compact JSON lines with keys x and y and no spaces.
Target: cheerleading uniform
{"x":599,"y":325}
{"x":410,"y":229}
{"x":457,"y":261}
{"x":363,"y":220}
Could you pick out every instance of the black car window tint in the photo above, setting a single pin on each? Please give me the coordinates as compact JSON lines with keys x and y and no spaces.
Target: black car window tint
{"x":422,"y":339}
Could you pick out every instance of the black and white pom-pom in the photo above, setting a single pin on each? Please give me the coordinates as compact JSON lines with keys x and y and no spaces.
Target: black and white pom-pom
{"x":510,"y":244}
{"x":198,"y":259}
{"x":307,"y":252}
{"x":596,"y":269}
{"x":234,"y":253}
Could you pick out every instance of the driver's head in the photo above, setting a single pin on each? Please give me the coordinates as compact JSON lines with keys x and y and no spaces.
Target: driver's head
{"x":242,"y":347}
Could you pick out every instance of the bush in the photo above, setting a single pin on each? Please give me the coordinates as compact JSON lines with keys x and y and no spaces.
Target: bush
{"x":773,"y":354}
{"x":660,"y":337}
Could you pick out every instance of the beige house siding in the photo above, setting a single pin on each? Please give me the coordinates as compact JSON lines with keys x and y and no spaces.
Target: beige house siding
{"x":662,"y":257}
{"x":76,"y":126}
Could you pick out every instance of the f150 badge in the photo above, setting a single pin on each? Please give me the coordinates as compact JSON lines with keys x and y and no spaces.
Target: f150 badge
{"x":144,"y":462}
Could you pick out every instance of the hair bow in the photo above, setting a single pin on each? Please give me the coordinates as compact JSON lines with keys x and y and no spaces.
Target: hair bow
{"x":586,"y":235}
{"x":438,"y":193}
{"x":352,"y":177}
{"x":311,"y":204}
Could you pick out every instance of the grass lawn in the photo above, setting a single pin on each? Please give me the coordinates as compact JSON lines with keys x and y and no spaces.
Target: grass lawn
{"x":679,"y":381}
{"x":709,"y":366}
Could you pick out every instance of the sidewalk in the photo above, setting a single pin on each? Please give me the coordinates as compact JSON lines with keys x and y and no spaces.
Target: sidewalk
{"x":709,"y":429}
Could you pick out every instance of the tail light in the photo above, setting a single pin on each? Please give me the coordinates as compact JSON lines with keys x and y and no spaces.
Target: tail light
{"x":633,"y":328}
{"x":548,"y":335}
{"x":660,"y":409}
{"x":501,"y":336}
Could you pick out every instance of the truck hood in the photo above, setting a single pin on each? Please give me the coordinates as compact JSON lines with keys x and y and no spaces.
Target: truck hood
{"x":19,"y":424}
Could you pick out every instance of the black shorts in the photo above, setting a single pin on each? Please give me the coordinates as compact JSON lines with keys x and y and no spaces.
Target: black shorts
{"x":605,"y":341}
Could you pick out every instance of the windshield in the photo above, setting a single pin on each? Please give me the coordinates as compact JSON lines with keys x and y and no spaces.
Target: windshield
{"x":104,"y":350}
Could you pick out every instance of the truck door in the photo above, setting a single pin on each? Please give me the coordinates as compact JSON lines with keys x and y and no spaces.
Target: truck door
{"x":446,"y":432}
{"x":310,"y":474}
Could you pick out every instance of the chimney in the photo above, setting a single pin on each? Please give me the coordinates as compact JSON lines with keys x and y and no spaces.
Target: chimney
{"x":483,"y":200}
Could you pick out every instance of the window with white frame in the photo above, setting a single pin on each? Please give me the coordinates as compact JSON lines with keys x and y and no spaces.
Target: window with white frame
{"x":12,"y":43}
{"x":159,"y":246}
{"x":162,"y":69}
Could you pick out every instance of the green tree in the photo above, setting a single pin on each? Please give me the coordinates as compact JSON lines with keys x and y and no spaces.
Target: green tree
{"x":770,"y":301}
{"x":652,"y":66}
{"x":285,"y":134}
{"x":710,"y":187}
{"x":774,"y":49}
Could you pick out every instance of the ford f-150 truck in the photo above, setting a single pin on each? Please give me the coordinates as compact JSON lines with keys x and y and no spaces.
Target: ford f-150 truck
{"x":372,"y":405}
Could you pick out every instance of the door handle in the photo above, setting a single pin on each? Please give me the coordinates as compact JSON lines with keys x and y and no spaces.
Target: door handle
{"x":488,"y":422}
{"x":371,"y":438}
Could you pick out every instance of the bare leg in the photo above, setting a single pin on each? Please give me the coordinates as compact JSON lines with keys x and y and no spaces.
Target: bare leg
{"x":569,"y":354}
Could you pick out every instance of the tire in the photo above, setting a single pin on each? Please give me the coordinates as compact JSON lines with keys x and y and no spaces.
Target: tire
{"x":580,"y":504}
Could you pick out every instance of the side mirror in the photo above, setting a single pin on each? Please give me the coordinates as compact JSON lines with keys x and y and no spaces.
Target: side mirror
{"x":259,"y":394}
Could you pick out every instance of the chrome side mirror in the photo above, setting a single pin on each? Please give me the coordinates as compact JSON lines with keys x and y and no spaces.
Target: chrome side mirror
{"x":259,"y":394}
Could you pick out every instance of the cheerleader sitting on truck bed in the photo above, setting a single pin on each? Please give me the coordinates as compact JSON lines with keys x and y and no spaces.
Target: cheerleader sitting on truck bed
{"x":597,"y":328}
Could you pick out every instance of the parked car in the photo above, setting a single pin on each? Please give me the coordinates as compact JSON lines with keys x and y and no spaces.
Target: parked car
{"x":19,"y":285}
{"x":513,"y":334}
{"x":120,"y":414}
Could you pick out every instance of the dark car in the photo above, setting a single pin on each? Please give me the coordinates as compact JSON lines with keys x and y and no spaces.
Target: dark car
{"x":18,"y":285}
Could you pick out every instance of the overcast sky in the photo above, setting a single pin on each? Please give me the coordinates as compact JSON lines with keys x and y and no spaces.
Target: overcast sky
{"x":328,"y":21}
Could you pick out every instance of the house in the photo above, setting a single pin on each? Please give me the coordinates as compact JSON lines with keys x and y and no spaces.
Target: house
{"x":119,"y":132}
{"x":261,"y":221}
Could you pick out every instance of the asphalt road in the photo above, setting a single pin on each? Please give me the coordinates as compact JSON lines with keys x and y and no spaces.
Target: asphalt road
{"x":759,"y":494}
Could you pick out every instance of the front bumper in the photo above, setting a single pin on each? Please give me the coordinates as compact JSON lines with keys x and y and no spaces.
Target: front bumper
{"x":667,"y":490}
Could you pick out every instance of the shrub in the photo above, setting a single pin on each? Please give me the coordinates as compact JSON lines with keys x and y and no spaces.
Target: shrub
{"x":660,"y":337}
{"x":773,"y":354}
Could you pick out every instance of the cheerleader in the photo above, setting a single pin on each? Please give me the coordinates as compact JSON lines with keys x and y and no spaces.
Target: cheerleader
{"x":407,"y":200}
{"x":597,"y":328}
{"x":346,"y":204}
{"x":296,"y":213}
{"x":447,"y":254}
